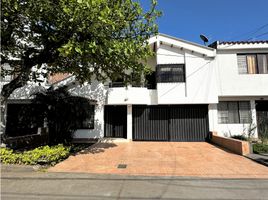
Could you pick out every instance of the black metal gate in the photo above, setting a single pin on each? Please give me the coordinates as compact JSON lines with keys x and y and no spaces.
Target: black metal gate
{"x":170,"y":123}
{"x":115,"y":120}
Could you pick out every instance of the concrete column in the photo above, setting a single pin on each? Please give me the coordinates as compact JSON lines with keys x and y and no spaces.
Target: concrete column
{"x":129,"y":122}
{"x":254,"y":117}
{"x":213,"y":117}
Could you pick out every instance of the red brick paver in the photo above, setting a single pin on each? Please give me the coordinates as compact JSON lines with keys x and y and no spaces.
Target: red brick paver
{"x":162,"y":159}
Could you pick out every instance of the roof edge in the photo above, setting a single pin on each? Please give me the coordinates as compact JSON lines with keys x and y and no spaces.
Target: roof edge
{"x":186,"y":41}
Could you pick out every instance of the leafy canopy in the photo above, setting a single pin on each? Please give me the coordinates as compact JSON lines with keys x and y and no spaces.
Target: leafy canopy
{"x":88,"y":38}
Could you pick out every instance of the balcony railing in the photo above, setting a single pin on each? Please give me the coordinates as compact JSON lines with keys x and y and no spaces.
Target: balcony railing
{"x":139,"y":85}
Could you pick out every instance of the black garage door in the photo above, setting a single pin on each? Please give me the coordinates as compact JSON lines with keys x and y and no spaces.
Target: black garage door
{"x":170,"y":123}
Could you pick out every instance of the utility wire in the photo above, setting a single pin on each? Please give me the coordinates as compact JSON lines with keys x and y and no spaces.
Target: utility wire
{"x":266,"y":33}
{"x":250,"y":33}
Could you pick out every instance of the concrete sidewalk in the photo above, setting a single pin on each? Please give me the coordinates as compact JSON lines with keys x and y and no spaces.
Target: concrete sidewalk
{"x":21,"y":185}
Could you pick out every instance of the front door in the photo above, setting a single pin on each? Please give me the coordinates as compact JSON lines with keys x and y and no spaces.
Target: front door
{"x":262,"y":117}
{"x":115,"y":120}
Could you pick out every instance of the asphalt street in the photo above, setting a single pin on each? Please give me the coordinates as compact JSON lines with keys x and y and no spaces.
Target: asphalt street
{"x":27,"y":184}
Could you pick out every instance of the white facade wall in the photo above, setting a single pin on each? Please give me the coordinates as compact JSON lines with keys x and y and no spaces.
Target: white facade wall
{"x":131,"y":95}
{"x":233,"y":86}
{"x":228,"y":130}
{"x":231,"y":83}
{"x":200,"y":85}
{"x":96,"y":92}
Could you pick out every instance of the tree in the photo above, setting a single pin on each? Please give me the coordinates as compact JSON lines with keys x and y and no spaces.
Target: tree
{"x":99,"y":39}
{"x":63,"y":112}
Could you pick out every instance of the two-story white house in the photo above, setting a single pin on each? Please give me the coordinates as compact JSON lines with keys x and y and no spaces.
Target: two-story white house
{"x":242,"y":82}
{"x":192,"y":90}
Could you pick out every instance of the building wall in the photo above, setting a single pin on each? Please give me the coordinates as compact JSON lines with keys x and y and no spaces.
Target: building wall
{"x":131,"y":95}
{"x":228,"y":130}
{"x":208,"y":79}
{"x":233,"y":86}
{"x":199,"y":88}
{"x":96,"y":92}
{"x":231,"y":83}
{"x":200,"y":85}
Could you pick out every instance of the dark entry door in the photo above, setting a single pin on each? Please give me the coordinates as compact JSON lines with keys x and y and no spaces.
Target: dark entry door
{"x":170,"y":123}
{"x":115,"y":118}
{"x":262,"y":117}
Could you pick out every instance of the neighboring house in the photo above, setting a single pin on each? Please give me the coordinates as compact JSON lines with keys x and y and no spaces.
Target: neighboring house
{"x":192,"y":90}
{"x":242,"y":69}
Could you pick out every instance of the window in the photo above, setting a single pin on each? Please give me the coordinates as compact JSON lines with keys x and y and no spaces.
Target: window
{"x":170,"y":73}
{"x":252,"y":63}
{"x":85,"y":120}
{"x":119,"y":82}
{"x":24,"y":119}
{"x":234,"y":112}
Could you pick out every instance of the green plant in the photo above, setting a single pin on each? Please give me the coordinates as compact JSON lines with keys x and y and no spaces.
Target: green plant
{"x":249,"y":130}
{"x":260,"y":148}
{"x":239,"y":137}
{"x":9,"y":157}
{"x":64,"y":113}
{"x":41,"y":155}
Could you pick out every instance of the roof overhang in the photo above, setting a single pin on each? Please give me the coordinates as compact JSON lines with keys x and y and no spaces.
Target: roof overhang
{"x":240,"y":45}
{"x":182,"y":44}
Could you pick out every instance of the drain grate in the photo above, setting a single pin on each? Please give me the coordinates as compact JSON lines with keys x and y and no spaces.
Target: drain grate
{"x":122,"y":166}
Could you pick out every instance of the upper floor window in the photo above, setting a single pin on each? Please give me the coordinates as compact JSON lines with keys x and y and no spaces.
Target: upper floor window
{"x":169,"y":73}
{"x":234,"y":112}
{"x":252,"y":63}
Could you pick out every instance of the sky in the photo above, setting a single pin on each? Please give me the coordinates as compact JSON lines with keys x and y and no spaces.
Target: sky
{"x":223,"y":20}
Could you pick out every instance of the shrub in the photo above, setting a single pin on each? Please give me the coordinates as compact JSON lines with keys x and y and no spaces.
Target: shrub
{"x":239,"y":137}
{"x":9,"y":157}
{"x":260,"y":148}
{"x":44,"y":154}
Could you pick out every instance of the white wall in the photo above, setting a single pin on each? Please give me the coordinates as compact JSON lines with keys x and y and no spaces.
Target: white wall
{"x":97,"y":92}
{"x":228,"y":130}
{"x":131,"y":95}
{"x":231,"y":83}
{"x":200,"y":86}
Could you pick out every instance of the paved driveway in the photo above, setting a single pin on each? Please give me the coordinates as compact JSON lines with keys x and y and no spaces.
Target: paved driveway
{"x":162,"y":159}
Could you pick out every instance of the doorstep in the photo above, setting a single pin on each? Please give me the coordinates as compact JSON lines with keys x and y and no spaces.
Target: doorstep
{"x":113,"y":140}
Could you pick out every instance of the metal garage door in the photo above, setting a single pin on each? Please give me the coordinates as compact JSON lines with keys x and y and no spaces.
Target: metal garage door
{"x":170,"y":123}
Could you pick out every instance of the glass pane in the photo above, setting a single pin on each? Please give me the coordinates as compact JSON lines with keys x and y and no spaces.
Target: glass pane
{"x":233,"y":112}
{"x":170,"y":73}
{"x":165,"y":69}
{"x":242,"y":64}
{"x":244,"y":112}
{"x":252,"y":64}
{"x":262,"y":63}
{"x":222,"y":112}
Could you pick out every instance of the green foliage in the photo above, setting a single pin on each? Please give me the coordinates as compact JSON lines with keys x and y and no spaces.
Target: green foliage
{"x":260,"y":148}
{"x":63,"y":112}
{"x":44,"y":154}
{"x":88,"y":38}
{"x":8,"y":156}
{"x":239,"y":137}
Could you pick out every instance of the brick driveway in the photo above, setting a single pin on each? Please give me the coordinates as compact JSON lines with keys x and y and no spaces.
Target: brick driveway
{"x":162,"y":159}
